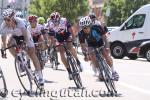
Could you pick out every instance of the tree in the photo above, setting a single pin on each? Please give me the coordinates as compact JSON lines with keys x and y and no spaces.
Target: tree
{"x":70,"y":9}
{"x":130,"y":6}
{"x":120,"y":10}
{"x":115,"y":12}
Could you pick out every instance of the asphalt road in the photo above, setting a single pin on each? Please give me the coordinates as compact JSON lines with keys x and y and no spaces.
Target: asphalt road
{"x":133,"y":84}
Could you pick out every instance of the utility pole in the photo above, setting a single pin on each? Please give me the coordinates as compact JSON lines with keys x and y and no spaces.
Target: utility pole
{"x":2,"y":6}
{"x":107,"y":11}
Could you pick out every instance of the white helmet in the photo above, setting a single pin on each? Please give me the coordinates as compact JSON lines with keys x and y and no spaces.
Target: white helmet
{"x":19,"y":14}
{"x":8,"y":13}
{"x":85,"y":21}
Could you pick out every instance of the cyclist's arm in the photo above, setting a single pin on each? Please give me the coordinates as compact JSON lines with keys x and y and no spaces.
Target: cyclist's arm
{"x":3,"y":38}
{"x":70,"y":29}
{"x":104,"y":36}
{"x":3,"y":35}
{"x":26,"y":35}
{"x":105,"y":39}
{"x":83,"y":44}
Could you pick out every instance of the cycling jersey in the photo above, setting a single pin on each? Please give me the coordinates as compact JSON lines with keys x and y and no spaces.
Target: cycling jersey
{"x":60,"y":30}
{"x":96,"y":22}
{"x":94,"y":38}
{"x":17,"y":31}
{"x":36,"y":32}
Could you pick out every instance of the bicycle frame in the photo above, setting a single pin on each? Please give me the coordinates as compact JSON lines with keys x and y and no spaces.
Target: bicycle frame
{"x":105,"y":70}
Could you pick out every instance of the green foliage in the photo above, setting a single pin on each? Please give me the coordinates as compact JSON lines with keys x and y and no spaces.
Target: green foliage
{"x":120,"y":10}
{"x":70,"y":9}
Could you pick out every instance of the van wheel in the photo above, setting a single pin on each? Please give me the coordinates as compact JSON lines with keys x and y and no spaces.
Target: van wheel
{"x":132,"y":56}
{"x":118,"y":50}
{"x":147,"y":54}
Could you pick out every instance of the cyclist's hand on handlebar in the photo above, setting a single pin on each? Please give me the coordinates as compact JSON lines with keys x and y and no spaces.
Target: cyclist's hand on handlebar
{"x":3,"y":53}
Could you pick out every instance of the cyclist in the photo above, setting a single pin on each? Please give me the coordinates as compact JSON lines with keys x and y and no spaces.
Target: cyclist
{"x":61,"y":29}
{"x":94,"y":19}
{"x":93,"y":36}
{"x":41,"y":21}
{"x":96,"y":22}
{"x":15,"y":28}
{"x":36,"y":30}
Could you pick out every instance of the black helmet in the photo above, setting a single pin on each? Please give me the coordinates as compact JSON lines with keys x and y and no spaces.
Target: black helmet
{"x":92,"y":16}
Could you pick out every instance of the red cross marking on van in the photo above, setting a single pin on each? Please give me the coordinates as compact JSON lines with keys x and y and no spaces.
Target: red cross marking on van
{"x":133,"y":35}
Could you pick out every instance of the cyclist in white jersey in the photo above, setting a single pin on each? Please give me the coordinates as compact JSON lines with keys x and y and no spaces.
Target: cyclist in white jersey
{"x":16,"y":30}
{"x":36,"y":31}
{"x":61,"y":29}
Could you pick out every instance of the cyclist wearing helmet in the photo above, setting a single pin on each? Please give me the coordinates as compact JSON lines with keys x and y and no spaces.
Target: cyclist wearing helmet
{"x":61,"y":29}
{"x":94,"y":19}
{"x":36,"y":30}
{"x":15,"y":28}
{"x":41,"y":20}
{"x":93,"y":36}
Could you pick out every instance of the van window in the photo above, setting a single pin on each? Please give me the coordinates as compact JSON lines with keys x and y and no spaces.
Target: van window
{"x":136,"y":21}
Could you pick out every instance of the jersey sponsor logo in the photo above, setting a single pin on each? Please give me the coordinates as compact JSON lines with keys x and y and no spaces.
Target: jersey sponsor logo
{"x":96,"y":35}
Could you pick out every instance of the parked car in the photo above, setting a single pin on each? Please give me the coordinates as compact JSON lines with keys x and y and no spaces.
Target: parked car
{"x":144,"y":50}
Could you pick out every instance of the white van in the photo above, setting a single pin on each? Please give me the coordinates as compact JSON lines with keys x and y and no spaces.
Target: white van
{"x":135,"y":30}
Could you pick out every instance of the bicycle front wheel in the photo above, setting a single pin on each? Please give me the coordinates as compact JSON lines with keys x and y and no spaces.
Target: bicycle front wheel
{"x":23,"y":76}
{"x":108,"y":80}
{"x":75,"y":71}
{"x":3,"y":87}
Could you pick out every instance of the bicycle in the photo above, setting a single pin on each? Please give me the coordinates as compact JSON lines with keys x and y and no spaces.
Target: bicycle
{"x":26,"y":76}
{"x":105,"y":71}
{"x":75,"y":68}
{"x":41,"y":54}
{"x":3,"y":87}
{"x":53,"y":57}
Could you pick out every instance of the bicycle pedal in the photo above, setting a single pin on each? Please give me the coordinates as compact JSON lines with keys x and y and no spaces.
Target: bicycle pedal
{"x":23,"y":75}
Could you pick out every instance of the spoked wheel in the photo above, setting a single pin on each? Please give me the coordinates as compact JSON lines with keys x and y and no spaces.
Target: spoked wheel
{"x":3,"y":87}
{"x":108,"y":80}
{"x":75,"y":72}
{"x":23,"y":76}
{"x":41,"y":60}
{"x":53,"y":59}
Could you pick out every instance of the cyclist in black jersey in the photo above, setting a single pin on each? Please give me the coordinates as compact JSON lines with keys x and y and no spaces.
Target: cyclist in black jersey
{"x":93,"y":36}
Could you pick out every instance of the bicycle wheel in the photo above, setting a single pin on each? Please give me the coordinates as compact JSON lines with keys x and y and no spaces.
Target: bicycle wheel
{"x":53,"y":58}
{"x":107,"y":75}
{"x":75,"y":71}
{"x":110,"y":78}
{"x":23,"y":75}
{"x":3,"y":87}
{"x":41,"y":59}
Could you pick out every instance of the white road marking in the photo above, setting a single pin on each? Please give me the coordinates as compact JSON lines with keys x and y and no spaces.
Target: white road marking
{"x":125,"y":84}
{"x":134,"y":88}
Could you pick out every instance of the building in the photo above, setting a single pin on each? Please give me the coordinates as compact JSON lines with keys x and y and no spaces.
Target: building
{"x":21,"y":5}
{"x":96,"y":7}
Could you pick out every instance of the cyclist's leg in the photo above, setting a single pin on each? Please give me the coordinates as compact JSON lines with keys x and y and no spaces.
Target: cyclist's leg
{"x":41,"y":39}
{"x":73,"y":51}
{"x":94,"y":63}
{"x":64,"y":61}
{"x":33,"y":56}
{"x":109,"y":61}
{"x":11,"y":41}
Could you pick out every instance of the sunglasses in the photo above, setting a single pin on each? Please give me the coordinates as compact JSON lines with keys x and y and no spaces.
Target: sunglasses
{"x":85,"y":27}
{"x":33,"y":21}
{"x":54,"y":17}
{"x":6,"y":19}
